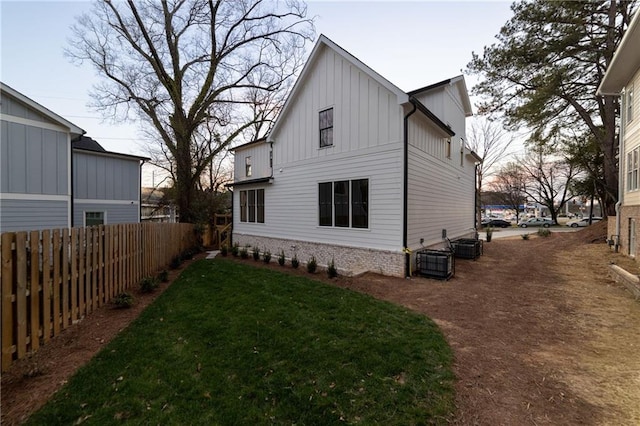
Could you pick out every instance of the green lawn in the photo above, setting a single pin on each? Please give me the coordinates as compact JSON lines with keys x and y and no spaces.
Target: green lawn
{"x":228,"y":343}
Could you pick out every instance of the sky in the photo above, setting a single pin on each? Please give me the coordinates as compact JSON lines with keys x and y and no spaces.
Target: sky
{"x":412,"y":44}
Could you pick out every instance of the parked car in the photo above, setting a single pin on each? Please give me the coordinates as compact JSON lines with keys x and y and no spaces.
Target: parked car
{"x":496,"y":223}
{"x":583,"y":222}
{"x":545,"y":222}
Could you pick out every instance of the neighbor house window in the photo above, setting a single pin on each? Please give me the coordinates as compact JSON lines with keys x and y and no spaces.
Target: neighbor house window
{"x":93,"y":218}
{"x":326,"y":127}
{"x":448,"y":147}
{"x":252,"y":206}
{"x":629,"y":104}
{"x":344,"y":203}
{"x":461,"y":152}
{"x":247,"y":166}
{"x":632,"y":169}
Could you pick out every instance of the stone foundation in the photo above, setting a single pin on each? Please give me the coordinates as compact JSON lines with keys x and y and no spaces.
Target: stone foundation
{"x":348,"y":260}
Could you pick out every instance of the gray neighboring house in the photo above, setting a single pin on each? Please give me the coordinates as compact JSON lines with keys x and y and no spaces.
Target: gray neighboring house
{"x":47,"y":181}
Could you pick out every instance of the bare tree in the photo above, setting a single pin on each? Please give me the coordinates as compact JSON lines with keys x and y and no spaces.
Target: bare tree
{"x":548,"y":179}
{"x":509,"y":185}
{"x":490,"y":141}
{"x":181,"y":65}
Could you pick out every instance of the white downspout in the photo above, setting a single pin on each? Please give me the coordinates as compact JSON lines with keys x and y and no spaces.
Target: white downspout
{"x":621,"y":166}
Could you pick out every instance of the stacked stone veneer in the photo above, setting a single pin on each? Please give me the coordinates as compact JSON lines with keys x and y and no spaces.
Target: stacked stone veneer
{"x":348,"y":260}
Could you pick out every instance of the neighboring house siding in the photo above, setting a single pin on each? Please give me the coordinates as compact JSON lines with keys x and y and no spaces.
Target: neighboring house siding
{"x":365,"y":113}
{"x":113,"y":213}
{"x":259,"y":154}
{"x":33,"y":160}
{"x":632,"y":136}
{"x":29,"y":215}
{"x":101,"y":177}
{"x":10,"y":106}
{"x":440,"y":192}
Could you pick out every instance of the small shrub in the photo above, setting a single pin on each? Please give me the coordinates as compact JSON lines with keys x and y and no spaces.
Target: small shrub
{"x":525,"y":236}
{"x":244,"y":252}
{"x":281,"y":258}
{"x":295,"y":262}
{"x":224,"y":251}
{"x":544,"y":232}
{"x":332,"y":271}
{"x":148,"y":284}
{"x":312,"y":265}
{"x":163,"y":276}
{"x":176,"y":262}
{"x":123,"y":300}
{"x":266,"y":256}
{"x":235,"y":250}
{"x":256,"y":253}
{"x":188,"y":254}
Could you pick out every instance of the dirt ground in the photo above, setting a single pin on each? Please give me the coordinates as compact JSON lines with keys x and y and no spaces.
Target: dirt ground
{"x":541,"y":335}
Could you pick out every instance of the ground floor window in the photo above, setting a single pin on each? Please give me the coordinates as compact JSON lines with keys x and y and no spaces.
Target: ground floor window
{"x":93,"y":218}
{"x":344,"y":203}
{"x":252,"y":205}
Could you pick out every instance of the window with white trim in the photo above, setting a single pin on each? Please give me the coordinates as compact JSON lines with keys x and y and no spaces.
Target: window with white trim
{"x":247,"y":166}
{"x":344,"y":203}
{"x":252,"y":206}
{"x":630,"y":103}
{"x":93,"y":218}
{"x":326,"y":127}
{"x":632,"y":169}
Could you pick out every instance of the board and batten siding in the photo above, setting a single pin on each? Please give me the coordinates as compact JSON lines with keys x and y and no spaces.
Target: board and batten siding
{"x":365,"y":113}
{"x":632,"y":137}
{"x":441,"y":192}
{"x":33,"y":160}
{"x":103,"y":177}
{"x":445,"y":102}
{"x":29,"y":215}
{"x":15,"y":108}
{"x":259,"y":153}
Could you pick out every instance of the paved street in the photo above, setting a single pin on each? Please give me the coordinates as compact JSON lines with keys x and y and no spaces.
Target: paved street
{"x":513,"y":231}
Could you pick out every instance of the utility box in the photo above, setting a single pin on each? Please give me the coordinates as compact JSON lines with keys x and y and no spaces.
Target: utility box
{"x":467,"y":248}
{"x":435,"y":264}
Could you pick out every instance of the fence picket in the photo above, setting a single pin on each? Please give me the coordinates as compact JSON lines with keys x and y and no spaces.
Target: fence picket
{"x":7,"y":242}
{"x":46,"y":285}
{"x":34,"y":290}
{"x":21,"y":292}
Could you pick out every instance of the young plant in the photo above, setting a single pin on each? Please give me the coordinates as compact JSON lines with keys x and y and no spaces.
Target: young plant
{"x":163,"y":276}
{"x":332,"y":271}
{"x":312,"y":265}
{"x":281,"y":258}
{"x":123,"y":300}
{"x":266,"y":256}
{"x":256,"y":253}
{"x":148,"y":284}
{"x":235,"y":250}
{"x":544,"y":232}
{"x":224,"y":251}
{"x":176,"y":262}
{"x":525,"y":236}
{"x":244,"y":252}
{"x":295,"y":262}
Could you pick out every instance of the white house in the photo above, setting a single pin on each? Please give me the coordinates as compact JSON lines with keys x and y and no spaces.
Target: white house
{"x":620,"y":79}
{"x":356,"y":170}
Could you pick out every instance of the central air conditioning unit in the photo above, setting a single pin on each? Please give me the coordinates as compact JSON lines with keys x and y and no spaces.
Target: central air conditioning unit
{"x":467,"y":248}
{"x":435,"y":264}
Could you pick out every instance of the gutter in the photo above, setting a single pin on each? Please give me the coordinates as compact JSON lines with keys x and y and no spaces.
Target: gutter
{"x":405,"y":201}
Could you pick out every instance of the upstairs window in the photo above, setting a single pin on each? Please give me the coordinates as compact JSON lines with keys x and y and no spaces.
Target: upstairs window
{"x":632,"y":169}
{"x":630,"y":104}
{"x":326,"y":128}
{"x":247,"y":166}
{"x":461,"y":152}
{"x":448,"y":147}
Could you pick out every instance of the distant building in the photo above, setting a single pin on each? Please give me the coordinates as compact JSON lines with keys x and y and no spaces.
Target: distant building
{"x":52,"y":176}
{"x":155,"y":207}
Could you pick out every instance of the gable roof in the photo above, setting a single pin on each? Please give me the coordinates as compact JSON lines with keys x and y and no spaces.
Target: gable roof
{"x":459,"y":83}
{"x":625,"y":62}
{"x":325,"y":42}
{"x":73,"y":129}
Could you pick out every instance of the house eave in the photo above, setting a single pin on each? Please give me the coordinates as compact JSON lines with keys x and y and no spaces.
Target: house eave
{"x":268,"y":180}
{"x":625,"y":62}
{"x":431,"y":116}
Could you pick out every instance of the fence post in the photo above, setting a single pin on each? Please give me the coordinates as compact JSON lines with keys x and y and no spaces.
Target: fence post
{"x":6,"y":242}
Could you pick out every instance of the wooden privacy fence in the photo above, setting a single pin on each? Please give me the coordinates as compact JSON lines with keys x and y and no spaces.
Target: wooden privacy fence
{"x":51,"y":279}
